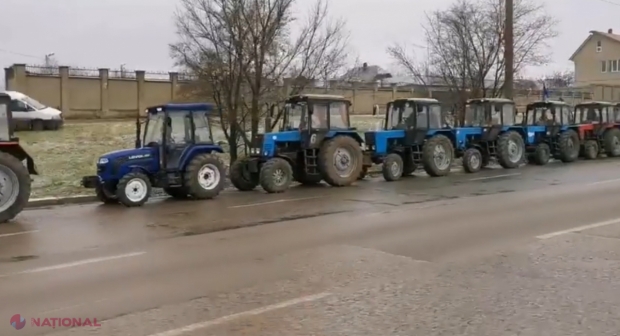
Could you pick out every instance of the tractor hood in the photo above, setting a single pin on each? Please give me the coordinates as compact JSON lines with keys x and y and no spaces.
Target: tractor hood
{"x":134,"y":153}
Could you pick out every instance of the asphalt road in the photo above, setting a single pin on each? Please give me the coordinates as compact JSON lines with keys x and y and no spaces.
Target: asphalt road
{"x":532,"y":251}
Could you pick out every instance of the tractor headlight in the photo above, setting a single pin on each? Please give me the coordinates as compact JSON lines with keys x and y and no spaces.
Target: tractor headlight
{"x":103,"y":161}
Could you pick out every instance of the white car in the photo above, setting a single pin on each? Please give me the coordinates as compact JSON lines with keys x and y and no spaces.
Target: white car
{"x":29,"y":114}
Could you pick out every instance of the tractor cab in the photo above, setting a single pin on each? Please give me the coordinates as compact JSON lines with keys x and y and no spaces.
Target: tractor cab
{"x":598,"y":126}
{"x":548,"y":117}
{"x":170,"y":140}
{"x":491,"y":115}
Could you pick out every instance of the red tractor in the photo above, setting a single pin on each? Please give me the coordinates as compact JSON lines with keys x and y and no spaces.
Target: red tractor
{"x":16,"y":166}
{"x":598,"y":126}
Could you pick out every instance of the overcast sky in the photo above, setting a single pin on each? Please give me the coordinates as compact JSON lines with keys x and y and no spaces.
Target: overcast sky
{"x":108,"y":33}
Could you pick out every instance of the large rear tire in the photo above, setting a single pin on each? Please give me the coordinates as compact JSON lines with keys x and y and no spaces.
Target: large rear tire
{"x":340,"y":161}
{"x":14,"y":187}
{"x":569,"y":146}
{"x":611,"y":139}
{"x":241,"y":178}
{"x":510,"y":150}
{"x":204,"y":177}
{"x":437,"y":156}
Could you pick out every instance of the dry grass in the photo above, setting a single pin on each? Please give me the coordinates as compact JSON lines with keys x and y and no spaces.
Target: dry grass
{"x":64,"y":156}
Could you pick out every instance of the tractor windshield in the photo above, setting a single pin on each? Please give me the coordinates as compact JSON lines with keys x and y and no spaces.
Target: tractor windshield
{"x":474,"y":115}
{"x":397,"y":114}
{"x":295,"y":114}
{"x":153,"y":128}
{"x":617,"y":113}
{"x":590,"y":114}
{"x":547,"y":115}
{"x":338,"y":115}
{"x":428,"y":116}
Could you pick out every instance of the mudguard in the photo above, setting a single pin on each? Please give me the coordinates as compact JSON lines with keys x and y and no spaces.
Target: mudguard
{"x":15,"y":149}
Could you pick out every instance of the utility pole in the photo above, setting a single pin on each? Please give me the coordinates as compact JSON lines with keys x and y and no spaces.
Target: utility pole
{"x":509,"y":50}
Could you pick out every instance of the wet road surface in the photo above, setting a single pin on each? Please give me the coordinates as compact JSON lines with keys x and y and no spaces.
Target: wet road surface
{"x":461,"y":255}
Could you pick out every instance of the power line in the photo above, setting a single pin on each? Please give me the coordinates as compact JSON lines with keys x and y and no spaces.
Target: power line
{"x":610,"y":2}
{"x":19,"y":54}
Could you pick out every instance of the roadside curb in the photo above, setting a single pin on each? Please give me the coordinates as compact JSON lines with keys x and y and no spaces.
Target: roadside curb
{"x":49,"y":201}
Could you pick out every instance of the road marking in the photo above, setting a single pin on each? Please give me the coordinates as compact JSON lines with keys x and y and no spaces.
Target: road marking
{"x":76,"y":263}
{"x":221,"y":320}
{"x":604,"y":181}
{"x":492,"y":177}
{"x":579,"y":228}
{"x":17,"y":233}
{"x":272,"y":202}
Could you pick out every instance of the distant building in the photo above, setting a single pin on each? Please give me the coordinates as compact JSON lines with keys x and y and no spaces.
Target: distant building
{"x":597,"y":60}
{"x":365,"y":74}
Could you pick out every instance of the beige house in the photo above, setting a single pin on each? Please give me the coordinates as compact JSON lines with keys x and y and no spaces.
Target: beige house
{"x":597,"y":60}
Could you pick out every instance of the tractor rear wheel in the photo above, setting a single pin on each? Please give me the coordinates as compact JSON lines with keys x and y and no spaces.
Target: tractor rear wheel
{"x":472,"y":160}
{"x":340,"y":161}
{"x":542,"y":154}
{"x":611,"y":139}
{"x":204,"y":177}
{"x":14,"y":187}
{"x":569,"y":146}
{"x":134,"y":189}
{"x":241,"y":177}
{"x":392,"y":167}
{"x":510,"y":149}
{"x":177,"y":192}
{"x":437,"y":156}
{"x":276,"y":175}
{"x":104,"y":195}
{"x":590,"y":150}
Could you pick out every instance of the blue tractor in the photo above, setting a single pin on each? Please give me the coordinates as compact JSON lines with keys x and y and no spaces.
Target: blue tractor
{"x":174,"y":152}
{"x":549,"y":132}
{"x":489,"y":132}
{"x":315,"y":142}
{"x":413,"y":135}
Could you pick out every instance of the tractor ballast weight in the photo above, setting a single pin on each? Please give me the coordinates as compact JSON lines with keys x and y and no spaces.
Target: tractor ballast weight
{"x":489,"y":132}
{"x":598,"y":126}
{"x":315,"y":142}
{"x":413,"y":134}
{"x":174,"y":151}
{"x":549,"y":133}
{"x":16,"y":166}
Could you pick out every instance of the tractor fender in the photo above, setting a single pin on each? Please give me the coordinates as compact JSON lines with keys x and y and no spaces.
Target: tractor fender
{"x":16,"y":150}
{"x":353,"y":135}
{"x":193,"y":151}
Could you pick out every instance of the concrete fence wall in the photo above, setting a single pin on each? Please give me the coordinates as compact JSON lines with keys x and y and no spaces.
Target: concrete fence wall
{"x":83,"y":94}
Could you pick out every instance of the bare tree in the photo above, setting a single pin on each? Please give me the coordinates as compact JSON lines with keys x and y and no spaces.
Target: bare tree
{"x":467,"y":45}
{"x":242,"y":50}
{"x":560,"y":79}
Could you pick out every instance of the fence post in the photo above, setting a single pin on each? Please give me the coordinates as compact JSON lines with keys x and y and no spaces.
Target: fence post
{"x":64,"y":90}
{"x":104,"y":76}
{"x":174,"y":82}
{"x":140,"y":74}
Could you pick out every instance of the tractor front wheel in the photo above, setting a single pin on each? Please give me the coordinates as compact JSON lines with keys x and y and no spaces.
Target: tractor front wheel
{"x":241,"y":177}
{"x":510,"y":149}
{"x":340,"y":161}
{"x":14,"y":187}
{"x":542,"y":154}
{"x":611,"y":139}
{"x":276,"y":175}
{"x":104,"y":195}
{"x":134,"y":189}
{"x":472,"y":160}
{"x":590,"y":150}
{"x":569,"y":146}
{"x":392,"y":167}
{"x":204,"y":177}
{"x":437,"y":156}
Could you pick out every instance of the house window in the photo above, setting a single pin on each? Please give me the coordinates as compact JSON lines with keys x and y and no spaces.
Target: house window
{"x":614,"y":66}
{"x":599,"y":46}
{"x":603,"y":66}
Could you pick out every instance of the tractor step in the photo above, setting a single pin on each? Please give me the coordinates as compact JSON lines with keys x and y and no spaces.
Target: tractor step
{"x":311,"y":161}
{"x":416,"y":154}
{"x":174,"y":179}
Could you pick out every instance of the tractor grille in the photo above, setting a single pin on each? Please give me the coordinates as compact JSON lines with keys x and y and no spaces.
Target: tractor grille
{"x":369,"y":138}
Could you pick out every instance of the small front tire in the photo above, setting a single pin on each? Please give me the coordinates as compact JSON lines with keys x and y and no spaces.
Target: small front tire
{"x":276,"y":175}
{"x":134,"y":189}
{"x":472,"y":160}
{"x":542,"y":154}
{"x":590,"y":150}
{"x":392,"y":167}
